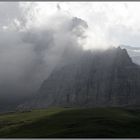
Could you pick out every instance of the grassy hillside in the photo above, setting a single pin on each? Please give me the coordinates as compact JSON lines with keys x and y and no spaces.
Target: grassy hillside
{"x":68,"y":122}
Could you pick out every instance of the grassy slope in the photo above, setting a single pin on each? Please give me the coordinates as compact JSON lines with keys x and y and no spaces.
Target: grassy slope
{"x":66,"y":122}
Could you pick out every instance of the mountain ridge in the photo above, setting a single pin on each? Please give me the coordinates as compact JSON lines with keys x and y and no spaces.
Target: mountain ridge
{"x":104,"y":78}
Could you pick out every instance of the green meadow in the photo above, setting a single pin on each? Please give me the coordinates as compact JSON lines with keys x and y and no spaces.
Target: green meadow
{"x":71,"y":123}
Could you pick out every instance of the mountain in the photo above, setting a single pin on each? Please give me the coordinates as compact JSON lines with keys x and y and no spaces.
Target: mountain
{"x":99,"y":78}
{"x":134,"y":53}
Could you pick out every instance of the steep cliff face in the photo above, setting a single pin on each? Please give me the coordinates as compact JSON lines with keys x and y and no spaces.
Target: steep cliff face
{"x":104,"y":78}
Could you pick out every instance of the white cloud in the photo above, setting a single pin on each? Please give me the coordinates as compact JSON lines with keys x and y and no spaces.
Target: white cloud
{"x":110,"y":23}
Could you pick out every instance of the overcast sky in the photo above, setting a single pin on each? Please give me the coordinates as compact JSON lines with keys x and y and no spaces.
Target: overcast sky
{"x":34,"y":35}
{"x":109,"y":23}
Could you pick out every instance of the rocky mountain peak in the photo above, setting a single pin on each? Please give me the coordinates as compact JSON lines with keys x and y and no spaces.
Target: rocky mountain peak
{"x":102,"y":78}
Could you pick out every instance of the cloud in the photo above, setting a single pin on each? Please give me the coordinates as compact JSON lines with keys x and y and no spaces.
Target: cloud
{"x":36,"y":37}
{"x":9,"y":11}
{"x":110,"y":23}
{"x":29,"y":50}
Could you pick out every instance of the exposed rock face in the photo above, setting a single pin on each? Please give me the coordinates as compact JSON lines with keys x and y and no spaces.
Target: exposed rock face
{"x":134,"y":53}
{"x":106,"y":78}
